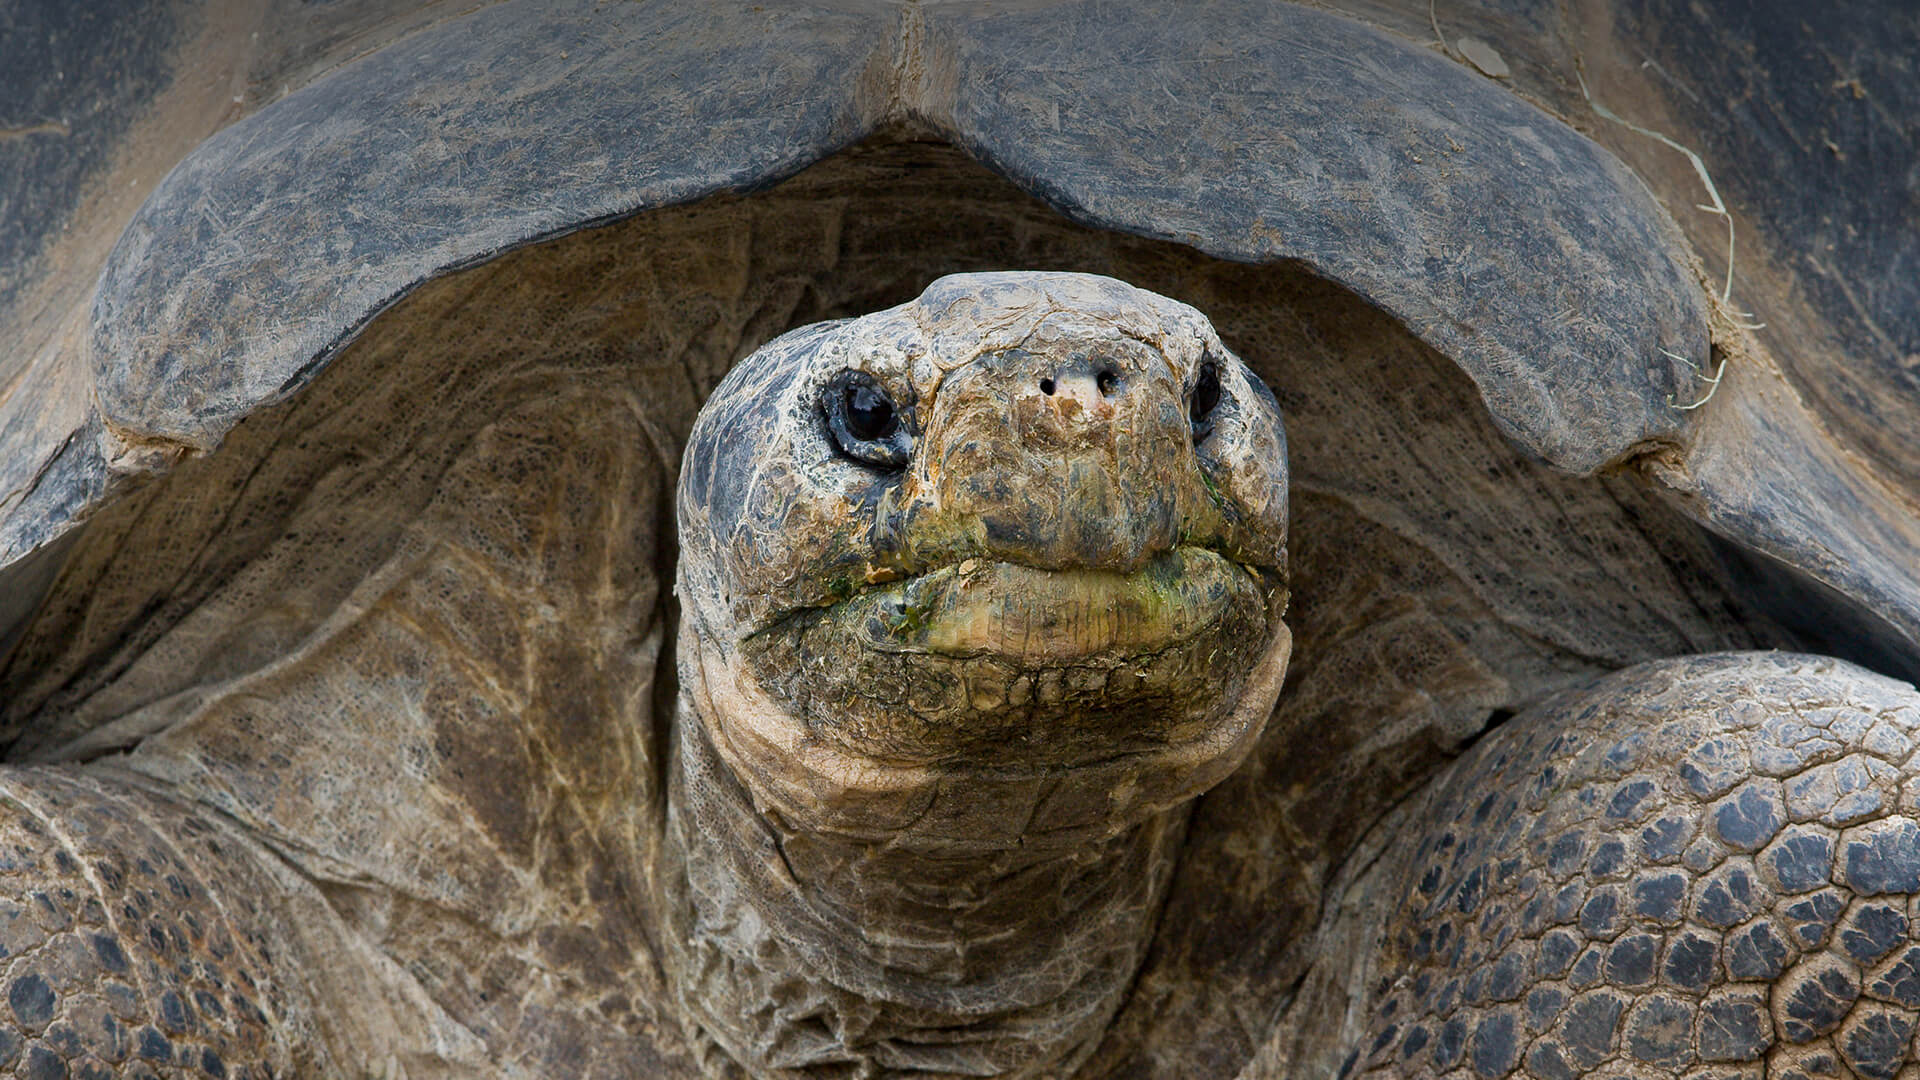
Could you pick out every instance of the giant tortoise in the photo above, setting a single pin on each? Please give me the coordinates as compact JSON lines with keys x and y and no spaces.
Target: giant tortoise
{"x":1220,"y":539}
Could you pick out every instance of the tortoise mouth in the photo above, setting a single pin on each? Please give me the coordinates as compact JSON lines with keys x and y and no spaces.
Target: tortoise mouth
{"x":974,"y":603}
{"x":983,"y":662}
{"x":1035,"y":617}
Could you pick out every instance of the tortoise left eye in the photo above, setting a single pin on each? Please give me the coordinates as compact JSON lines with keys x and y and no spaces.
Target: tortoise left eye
{"x":864,"y":421}
{"x":869,"y":412}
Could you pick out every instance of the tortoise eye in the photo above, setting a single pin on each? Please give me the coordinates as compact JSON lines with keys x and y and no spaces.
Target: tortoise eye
{"x":864,"y":420}
{"x":1205,"y":399}
{"x":869,"y":412}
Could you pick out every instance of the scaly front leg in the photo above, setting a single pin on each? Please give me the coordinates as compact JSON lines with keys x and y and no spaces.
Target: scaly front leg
{"x":1704,"y":863}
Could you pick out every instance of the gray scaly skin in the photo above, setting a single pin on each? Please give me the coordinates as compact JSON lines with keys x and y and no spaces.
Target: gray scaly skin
{"x":1697,"y":867}
{"x":136,"y":934}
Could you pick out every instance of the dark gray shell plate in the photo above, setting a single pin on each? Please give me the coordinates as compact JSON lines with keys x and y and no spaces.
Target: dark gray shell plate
{"x":1252,"y":131}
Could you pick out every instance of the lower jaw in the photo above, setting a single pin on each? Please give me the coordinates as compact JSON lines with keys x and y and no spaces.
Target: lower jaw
{"x":1018,"y":793}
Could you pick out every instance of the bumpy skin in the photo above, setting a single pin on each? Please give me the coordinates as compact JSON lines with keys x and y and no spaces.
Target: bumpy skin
{"x":1703,"y":867}
{"x":136,"y":936}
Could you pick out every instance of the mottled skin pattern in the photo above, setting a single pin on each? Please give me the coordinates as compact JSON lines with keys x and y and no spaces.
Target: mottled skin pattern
{"x":132,"y":931}
{"x":1698,"y":867}
{"x":444,"y":833}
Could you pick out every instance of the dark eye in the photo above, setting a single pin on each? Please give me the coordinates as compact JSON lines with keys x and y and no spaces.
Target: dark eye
{"x":869,"y":412}
{"x":864,"y":420}
{"x":1206,"y":398}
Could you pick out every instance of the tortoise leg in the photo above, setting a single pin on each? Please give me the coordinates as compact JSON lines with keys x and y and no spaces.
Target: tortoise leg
{"x":136,"y":937}
{"x":1701,"y":867}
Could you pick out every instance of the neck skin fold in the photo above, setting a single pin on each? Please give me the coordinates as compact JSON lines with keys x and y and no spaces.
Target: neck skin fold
{"x":818,"y":953}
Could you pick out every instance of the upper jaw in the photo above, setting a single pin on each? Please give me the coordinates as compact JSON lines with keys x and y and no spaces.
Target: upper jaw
{"x":816,"y":781}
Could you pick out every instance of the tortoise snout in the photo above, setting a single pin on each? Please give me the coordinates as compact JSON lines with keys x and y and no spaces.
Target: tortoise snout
{"x":1084,"y":387}
{"x":1088,"y":402}
{"x":1072,"y":403}
{"x":1073,"y":460}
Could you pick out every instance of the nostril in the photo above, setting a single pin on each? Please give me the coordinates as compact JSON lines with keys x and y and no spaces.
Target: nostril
{"x":1108,"y":382}
{"x":1046,"y":387}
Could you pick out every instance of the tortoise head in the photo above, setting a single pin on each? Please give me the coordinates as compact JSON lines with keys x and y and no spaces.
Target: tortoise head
{"x":1027,"y":525}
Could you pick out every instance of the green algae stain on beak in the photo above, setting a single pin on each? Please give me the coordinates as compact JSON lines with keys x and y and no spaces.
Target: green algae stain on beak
{"x":1035,"y":617}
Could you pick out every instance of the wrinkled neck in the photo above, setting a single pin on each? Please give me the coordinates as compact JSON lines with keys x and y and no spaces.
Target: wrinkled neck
{"x":827,"y":954}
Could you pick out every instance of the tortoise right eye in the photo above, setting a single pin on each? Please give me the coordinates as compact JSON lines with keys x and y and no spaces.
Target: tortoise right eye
{"x":1205,"y":399}
{"x":865,"y":422}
